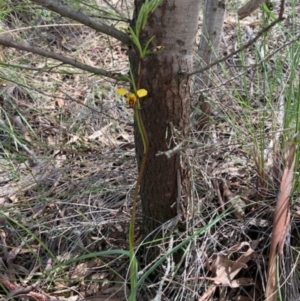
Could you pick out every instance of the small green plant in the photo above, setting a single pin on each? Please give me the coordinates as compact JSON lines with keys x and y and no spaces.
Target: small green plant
{"x":133,"y":100}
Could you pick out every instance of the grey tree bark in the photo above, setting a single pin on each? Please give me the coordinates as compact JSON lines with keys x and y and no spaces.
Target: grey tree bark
{"x":165,"y":187}
{"x":208,"y":51}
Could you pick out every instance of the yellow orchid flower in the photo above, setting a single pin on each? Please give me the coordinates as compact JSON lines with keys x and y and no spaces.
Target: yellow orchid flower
{"x":122,"y":91}
{"x":141,"y":92}
{"x":131,"y":98}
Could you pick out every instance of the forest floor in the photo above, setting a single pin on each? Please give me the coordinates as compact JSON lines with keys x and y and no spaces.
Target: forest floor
{"x":68,"y":170}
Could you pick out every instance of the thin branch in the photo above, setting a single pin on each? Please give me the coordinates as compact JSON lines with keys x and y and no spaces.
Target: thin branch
{"x":78,"y":16}
{"x":67,"y":96}
{"x":238,"y":75}
{"x":248,"y":44}
{"x":249,"y":8}
{"x":266,"y":58}
{"x":114,"y":8}
{"x":7,"y":42}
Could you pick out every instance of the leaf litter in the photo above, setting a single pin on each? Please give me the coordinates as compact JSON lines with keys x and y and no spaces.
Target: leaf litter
{"x":75,"y":198}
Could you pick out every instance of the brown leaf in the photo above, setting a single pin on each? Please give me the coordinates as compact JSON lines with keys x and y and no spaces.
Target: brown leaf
{"x":235,"y":201}
{"x":60,"y":100}
{"x":83,"y":269}
{"x":242,"y":282}
{"x":225,"y":269}
{"x":281,"y":220}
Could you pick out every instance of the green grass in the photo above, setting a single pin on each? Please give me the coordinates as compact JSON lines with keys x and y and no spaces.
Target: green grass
{"x":257,"y":112}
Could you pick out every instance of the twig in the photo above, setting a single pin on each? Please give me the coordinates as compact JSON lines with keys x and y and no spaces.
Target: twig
{"x":266,"y":58}
{"x":114,"y":9}
{"x":248,"y":44}
{"x":7,"y":42}
{"x":168,"y":269}
{"x":78,"y":16}
{"x":67,"y":96}
{"x":171,"y":152}
{"x":20,"y":290}
{"x":248,"y":8}
{"x":7,"y":284}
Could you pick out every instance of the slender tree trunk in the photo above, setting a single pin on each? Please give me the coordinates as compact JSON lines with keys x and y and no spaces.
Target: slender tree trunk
{"x":165,"y":187}
{"x":208,"y":51}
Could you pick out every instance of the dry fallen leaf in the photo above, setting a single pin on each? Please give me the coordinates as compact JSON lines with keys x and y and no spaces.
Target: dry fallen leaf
{"x":235,"y":201}
{"x":281,"y":221}
{"x":225,"y":269}
{"x":59,"y":101}
{"x":103,"y":135}
{"x":82,"y":270}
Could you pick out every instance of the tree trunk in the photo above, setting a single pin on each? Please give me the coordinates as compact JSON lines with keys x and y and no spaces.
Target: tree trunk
{"x":208,"y":51}
{"x":165,"y":187}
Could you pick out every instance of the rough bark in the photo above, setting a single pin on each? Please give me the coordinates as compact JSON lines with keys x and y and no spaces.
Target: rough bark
{"x":165,"y":186}
{"x":208,"y":51}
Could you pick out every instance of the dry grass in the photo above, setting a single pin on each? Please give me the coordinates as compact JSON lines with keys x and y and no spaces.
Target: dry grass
{"x":68,"y":169}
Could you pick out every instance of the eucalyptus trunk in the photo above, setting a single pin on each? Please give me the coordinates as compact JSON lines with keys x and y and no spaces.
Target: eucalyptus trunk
{"x":208,"y":51}
{"x":165,"y":188}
